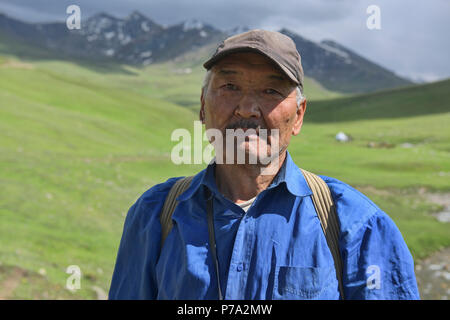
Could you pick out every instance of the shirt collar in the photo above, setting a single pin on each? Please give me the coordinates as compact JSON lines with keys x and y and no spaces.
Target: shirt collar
{"x":289,"y":174}
{"x":293,"y":177}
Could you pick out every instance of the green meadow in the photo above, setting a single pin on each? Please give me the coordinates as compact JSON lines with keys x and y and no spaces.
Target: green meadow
{"x":80,"y":143}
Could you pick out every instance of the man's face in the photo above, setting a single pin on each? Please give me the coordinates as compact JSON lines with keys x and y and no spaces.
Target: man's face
{"x":246,"y":90}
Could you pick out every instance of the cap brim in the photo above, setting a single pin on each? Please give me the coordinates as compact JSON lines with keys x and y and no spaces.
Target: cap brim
{"x":214,"y":59}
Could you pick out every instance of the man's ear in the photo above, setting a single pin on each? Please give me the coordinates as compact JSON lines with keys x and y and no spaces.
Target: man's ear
{"x":299,"y":121}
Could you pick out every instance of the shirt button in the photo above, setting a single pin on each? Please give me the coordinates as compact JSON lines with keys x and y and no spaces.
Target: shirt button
{"x":239,"y":267}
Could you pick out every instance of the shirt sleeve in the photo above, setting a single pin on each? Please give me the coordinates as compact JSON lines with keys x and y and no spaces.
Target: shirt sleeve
{"x":134,"y":272}
{"x":377,"y":262}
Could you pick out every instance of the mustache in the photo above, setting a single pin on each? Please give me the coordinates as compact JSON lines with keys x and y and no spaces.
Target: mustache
{"x":244,"y":124}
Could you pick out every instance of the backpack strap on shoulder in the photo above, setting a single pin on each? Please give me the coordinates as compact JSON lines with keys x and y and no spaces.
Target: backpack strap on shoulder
{"x":170,"y":204}
{"x":326,"y":211}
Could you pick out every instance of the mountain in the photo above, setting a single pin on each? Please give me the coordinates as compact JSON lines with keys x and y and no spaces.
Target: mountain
{"x":135,"y":39}
{"x":340,"y":69}
{"x":169,"y":42}
{"x":138,"y":40}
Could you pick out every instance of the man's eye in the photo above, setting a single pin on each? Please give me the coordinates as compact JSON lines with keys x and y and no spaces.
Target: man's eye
{"x":271,"y":91}
{"x":230,"y":86}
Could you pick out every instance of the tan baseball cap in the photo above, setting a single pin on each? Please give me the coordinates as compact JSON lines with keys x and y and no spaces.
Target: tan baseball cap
{"x":274,"y":45}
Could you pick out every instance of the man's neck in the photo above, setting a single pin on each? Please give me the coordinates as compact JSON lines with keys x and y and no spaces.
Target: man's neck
{"x":241,"y":182}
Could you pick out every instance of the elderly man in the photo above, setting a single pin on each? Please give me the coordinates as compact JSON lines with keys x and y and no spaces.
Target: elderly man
{"x":239,"y":233}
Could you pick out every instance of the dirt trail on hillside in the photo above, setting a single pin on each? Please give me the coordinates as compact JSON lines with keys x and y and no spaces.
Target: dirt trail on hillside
{"x":433,"y":273}
{"x":16,"y":65}
{"x":433,"y":276}
{"x":10,"y":284}
{"x":442,"y":199}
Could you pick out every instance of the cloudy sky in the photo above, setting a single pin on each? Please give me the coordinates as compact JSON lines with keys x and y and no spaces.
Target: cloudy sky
{"x":413,"y":40}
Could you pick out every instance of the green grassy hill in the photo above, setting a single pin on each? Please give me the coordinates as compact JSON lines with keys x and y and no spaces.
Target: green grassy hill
{"x":79,"y":144}
{"x":413,"y":101}
{"x":73,"y":154}
{"x":411,"y":124}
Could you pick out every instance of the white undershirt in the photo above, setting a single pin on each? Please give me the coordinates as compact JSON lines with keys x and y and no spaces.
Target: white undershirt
{"x":245,"y":205}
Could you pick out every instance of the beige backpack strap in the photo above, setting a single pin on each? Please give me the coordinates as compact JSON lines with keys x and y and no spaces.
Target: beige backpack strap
{"x":170,"y":204}
{"x":323,"y":202}
{"x":326,"y":211}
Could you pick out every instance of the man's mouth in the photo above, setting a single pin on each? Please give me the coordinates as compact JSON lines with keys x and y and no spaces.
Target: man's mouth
{"x":244,"y":124}
{"x":255,"y":129}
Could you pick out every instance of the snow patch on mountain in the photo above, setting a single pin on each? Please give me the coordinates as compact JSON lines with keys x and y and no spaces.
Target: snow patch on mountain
{"x":326,"y":47}
{"x":192,"y":24}
{"x":146,"y":54}
{"x":109,"y":52}
{"x":109,"y":35}
{"x":144,"y":26}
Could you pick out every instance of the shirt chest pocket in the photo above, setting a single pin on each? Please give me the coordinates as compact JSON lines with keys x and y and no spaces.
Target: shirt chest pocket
{"x":300,"y":283}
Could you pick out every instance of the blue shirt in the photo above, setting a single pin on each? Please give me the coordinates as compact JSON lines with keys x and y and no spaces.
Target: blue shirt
{"x":276,"y":250}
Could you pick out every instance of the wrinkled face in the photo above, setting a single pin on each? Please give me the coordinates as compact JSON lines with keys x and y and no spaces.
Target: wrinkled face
{"x":247,"y":91}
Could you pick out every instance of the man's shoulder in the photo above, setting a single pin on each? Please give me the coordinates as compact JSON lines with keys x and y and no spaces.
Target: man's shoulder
{"x":158,"y":191}
{"x":354,"y":209}
{"x":343,"y":192}
{"x":150,"y":203}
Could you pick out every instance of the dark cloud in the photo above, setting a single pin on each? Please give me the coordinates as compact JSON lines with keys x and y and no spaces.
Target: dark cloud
{"x":413,"y":39}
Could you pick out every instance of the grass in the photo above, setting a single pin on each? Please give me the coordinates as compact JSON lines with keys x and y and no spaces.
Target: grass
{"x":73,"y":156}
{"x":79,"y":145}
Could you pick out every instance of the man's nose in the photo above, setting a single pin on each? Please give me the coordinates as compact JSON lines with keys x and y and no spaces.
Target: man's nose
{"x":248,"y":106}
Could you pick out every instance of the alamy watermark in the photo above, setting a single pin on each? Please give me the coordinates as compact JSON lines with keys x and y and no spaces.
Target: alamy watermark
{"x":74,"y":20}
{"x":374,"y":279}
{"x":373,"y":22}
{"x":256,"y":146}
{"x":73,"y":282}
